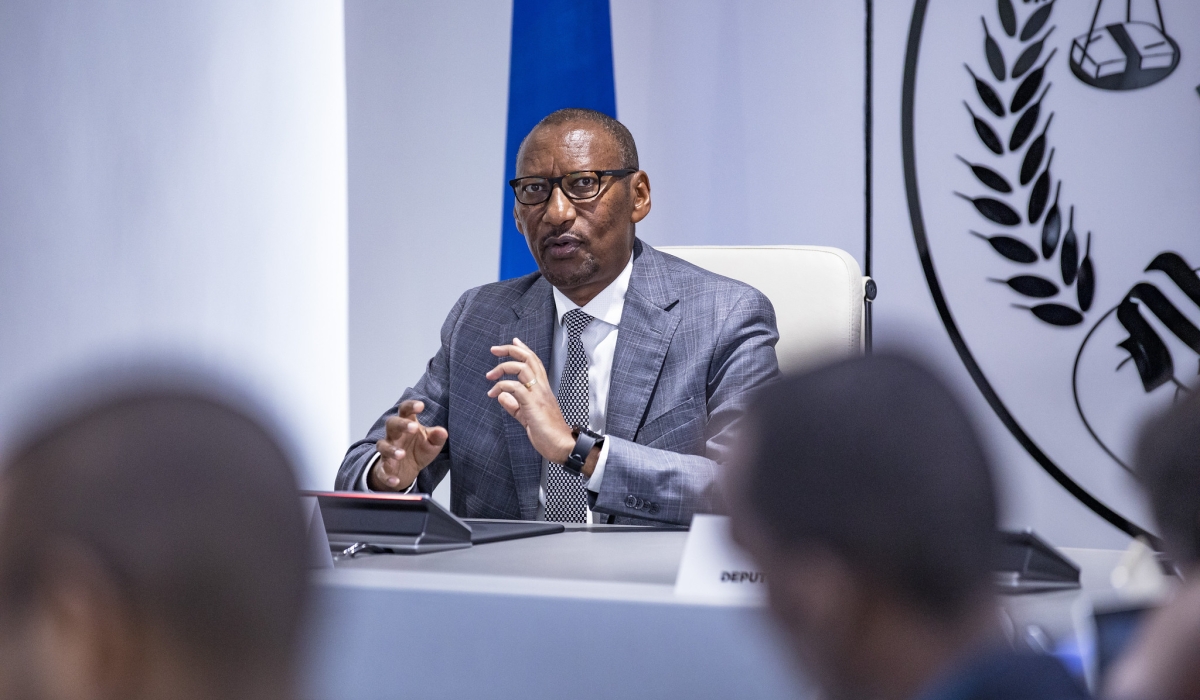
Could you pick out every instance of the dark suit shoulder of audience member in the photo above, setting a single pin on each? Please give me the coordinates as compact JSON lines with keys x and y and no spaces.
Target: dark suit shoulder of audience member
{"x":1006,"y":675}
{"x":152,"y":545}
{"x":867,"y":498}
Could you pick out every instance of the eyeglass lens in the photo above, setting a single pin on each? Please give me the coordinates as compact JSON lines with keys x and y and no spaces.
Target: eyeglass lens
{"x":581,"y":185}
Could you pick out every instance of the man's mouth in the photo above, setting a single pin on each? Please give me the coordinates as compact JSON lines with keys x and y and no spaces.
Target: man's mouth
{"x":561,"y":247}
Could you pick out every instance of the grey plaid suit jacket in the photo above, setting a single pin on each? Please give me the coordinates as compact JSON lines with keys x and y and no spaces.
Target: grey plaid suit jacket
{"x":692,"y":346}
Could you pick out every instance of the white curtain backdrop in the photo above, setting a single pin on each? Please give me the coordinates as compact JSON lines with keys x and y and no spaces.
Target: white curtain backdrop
{"x":172,"y":183}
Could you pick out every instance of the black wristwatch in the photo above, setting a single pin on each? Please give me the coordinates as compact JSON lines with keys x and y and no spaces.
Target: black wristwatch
{"x":585,"y":440}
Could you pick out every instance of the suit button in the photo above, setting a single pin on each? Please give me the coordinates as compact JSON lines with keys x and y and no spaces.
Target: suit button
{"x":640,"y":504}
{"x":630,"y":501}
{"x":653,"y":508}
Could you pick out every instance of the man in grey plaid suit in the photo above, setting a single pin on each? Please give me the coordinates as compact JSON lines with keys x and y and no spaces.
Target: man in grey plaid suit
{"x":608,"y":386}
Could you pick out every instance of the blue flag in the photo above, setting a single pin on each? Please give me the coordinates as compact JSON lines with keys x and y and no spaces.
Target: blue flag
{"x":561,"y":57}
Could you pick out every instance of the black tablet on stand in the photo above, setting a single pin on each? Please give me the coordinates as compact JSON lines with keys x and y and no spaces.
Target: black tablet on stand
{"x":1029,"y":565}
{"x":382,"y":522}
{"x":359,"y":522}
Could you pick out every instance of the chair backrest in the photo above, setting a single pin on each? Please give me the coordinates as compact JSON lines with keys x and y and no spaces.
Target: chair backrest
{"x":818,"y":294}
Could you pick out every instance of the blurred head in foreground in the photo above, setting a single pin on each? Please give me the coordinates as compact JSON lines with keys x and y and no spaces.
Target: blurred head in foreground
{"x":1164,"y":661}
{"x":1168,"y":465}
{"x":868,"y":501}
{"x":151,"y":546}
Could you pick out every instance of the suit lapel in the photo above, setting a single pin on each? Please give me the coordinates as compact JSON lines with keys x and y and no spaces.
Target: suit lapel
{"x":534,"y":325}
{"x":647,"y":326}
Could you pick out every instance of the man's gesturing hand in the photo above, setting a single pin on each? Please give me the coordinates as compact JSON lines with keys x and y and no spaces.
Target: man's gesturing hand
{"x":530,"y":399}
{"x":408,"y":448}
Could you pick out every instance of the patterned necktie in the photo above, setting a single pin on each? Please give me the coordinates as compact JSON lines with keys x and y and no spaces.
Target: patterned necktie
{"x":565,"y":498}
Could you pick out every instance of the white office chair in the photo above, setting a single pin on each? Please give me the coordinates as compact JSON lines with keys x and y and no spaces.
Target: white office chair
{"x":819,"y":295}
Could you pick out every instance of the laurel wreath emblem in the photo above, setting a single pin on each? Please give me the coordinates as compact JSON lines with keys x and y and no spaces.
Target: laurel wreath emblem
{"x":1027,"y":163}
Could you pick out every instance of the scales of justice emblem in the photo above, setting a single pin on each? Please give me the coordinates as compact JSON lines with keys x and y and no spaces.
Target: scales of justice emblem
{"x":1057,"y":227}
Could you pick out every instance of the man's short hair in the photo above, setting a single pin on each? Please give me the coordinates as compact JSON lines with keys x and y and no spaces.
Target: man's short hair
{"x":188,"y":503}
{"x":625,"y":145}
{"x":875,"y":460}
{"x":1168,"y":464}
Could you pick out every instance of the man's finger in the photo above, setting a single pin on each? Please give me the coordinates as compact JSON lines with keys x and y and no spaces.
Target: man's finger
{"x":437,"y":436}
{"x":390,"y":453}
{"x":385,"y":449}
{"x":522,"y":353}
{"x":509,"y":404}
{"x":391,"y":480}
{"x":396,"y":428}
{"x":410,"y":408}
{"x":507,"y":386}
{"x":511,"y":367}
{"x":516,"y":352}
{"x":388,"y":467}
{"x":531,"y":358}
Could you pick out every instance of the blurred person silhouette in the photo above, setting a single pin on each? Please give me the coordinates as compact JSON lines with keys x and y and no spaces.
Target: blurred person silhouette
{"x":866,"y":497}
{"x":152,"y":545}
{"x":1163,"y":661}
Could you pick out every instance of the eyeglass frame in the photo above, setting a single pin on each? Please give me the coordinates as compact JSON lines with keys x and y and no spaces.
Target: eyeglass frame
{"x":557,"y":182}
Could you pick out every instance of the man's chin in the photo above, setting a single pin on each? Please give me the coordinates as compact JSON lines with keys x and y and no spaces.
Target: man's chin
{"x":568,"y":276}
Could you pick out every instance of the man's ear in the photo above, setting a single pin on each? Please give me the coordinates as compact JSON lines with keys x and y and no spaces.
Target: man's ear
{"x":640,"y":189}
{"x":516,"y":218}
{"x":87,"y":639}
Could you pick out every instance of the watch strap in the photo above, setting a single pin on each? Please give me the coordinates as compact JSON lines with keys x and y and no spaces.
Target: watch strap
{"x":585,"y":440}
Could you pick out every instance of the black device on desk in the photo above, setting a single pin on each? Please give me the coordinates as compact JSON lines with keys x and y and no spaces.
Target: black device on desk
{"x":1029,"y":565}
{"x":357,"y":522}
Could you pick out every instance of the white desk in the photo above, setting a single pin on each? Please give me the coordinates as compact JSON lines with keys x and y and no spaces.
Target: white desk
{"x":575,"y":615}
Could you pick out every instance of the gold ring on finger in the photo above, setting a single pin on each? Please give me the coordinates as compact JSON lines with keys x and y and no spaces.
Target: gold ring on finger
{"x":529,"y":384}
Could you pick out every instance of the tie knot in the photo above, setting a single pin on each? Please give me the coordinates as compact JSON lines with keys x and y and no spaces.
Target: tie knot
{"x":576,"y":320}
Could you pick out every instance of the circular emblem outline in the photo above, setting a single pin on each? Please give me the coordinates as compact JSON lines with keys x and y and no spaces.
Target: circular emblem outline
{"x":907,"y":111}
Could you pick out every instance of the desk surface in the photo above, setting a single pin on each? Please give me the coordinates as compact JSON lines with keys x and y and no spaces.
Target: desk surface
{"x":582,"y":614}
{"x":509,"y":606}
{"x":613,"y":564}
{"x":615,"y":554}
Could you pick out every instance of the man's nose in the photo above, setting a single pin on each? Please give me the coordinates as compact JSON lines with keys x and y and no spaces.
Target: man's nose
{"x":559,"y":208}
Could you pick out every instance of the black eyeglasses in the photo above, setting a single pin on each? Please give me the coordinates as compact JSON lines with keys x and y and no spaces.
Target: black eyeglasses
{"x":583,"y":184}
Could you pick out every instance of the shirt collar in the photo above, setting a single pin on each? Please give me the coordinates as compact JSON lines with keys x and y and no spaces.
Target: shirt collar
{"x":607,"y":306}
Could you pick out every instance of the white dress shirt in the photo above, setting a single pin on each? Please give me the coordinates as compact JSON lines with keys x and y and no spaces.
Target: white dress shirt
{"x":599,"y":345}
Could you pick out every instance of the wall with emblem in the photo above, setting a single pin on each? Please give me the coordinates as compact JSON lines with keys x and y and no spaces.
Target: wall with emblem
{"x":1037,"y":231}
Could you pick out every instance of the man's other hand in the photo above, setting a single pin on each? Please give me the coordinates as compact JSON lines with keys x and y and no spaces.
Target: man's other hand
{"x":530,"y":399}
{"x":408,"y":448}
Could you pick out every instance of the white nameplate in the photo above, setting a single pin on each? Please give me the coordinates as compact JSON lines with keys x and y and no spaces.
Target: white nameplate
{"x":714,"y":569}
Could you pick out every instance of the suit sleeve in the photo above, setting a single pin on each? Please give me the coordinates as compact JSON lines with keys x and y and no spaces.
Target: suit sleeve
{"x":434,"y":389}
{"x":653,"y":484}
